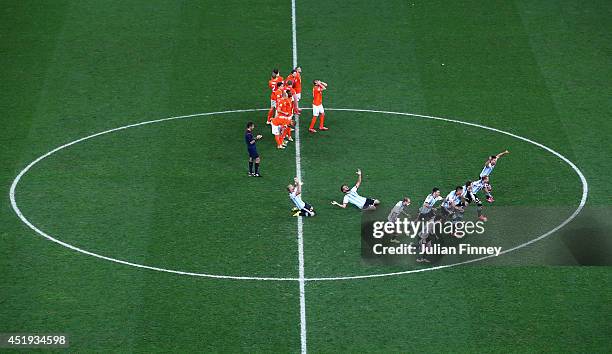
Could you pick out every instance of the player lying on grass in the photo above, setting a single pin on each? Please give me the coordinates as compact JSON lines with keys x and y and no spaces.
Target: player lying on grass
{"x":295,"y":194}
{"x":351,"y":196}
{"x":488,"y":169}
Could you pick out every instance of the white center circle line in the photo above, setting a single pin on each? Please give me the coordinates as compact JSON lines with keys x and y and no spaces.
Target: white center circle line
{"x":22,"y":217}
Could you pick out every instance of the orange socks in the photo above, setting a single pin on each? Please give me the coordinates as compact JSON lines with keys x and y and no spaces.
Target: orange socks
{"x":321,"y":125}
{"x":270,"y":114}
{"x":313,"y":122}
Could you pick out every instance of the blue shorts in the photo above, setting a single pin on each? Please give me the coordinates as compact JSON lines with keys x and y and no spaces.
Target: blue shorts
{"x":253,"y":153}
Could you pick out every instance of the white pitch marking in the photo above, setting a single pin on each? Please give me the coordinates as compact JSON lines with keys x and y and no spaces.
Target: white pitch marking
{"x":15,"y":207}
{"x":300,"y":221}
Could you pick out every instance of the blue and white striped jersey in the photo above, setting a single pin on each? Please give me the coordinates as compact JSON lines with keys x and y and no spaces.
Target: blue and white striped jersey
{"x":297,"y":200}
{"x":354,"y":198}
{"x":451,"y":197}
{"x":477,"y":186}
{"x":487,"y":169}
{"x":429,"y":203}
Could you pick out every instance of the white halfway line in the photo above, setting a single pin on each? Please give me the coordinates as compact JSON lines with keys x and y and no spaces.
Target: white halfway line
{"x":300,"y":222}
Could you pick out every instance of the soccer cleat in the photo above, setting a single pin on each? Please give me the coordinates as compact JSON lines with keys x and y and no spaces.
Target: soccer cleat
{"x":312,"y":130}
{"x":268,"y":122}
{"x":290,"y":138}
{"x":280,"y":147}
{"x":419,"y":260}
{"x":294,"y":209}
{"x":425,"y":260}
{"x":297,"y":213}
{"x":256,"y":175}
{"x":482,"y":218}
{"x":323,"y":128}
{"x":394,"y":240}
{"x":251,"y":174}
{"x":490,"y":199}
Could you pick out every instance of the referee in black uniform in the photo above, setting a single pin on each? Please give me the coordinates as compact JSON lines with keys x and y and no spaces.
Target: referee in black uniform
{"x":253,"y":155}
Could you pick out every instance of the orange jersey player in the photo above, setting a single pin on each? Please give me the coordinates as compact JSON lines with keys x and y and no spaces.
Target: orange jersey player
{"x":285,"y":110}
{"x":274,"y":80}
{"x":317,"y":105}
{"x":296,"y":78}
{"x":273,"y":84}
{"x":276,"y":94}
{"x":292,"y":95}
{"x":280,"y":125}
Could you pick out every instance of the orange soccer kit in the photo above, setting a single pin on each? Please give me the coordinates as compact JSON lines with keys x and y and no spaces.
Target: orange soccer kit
{"x":284,"y":107}
{"x":317,"y":109}
{"x":272,"y":84}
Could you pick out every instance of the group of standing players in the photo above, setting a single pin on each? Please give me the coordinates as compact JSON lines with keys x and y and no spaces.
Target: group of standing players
{"x":284,"y":106}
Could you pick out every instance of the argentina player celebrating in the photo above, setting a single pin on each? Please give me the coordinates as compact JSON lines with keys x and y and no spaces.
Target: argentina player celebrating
{"x":295,"y":194}
{"x":351,"y":196}
{"x":451,"y":206}
{"x":427,"y":211}
{"x":488,"y":169}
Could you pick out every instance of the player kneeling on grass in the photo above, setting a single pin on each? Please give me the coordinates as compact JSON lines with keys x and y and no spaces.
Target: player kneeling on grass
{"x":295,"y":194}
{"x":351,"y":196}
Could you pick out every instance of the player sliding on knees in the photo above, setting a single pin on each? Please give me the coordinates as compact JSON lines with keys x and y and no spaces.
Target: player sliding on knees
{"x":295,"y":194}
{"x":488,"y":169}
{"x":351,"y":196}
{"x":317,"y":105}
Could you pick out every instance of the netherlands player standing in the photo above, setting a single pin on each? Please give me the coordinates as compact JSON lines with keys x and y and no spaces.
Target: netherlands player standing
{"x":297,"y":84}
{"x":252,"y":149}
{"x":273,"y":84}
{"x":317,"y":105}
{"x":351,"y":196}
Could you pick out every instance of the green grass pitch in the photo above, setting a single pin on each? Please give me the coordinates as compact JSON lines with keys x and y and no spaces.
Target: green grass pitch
{"x":175,"y":194}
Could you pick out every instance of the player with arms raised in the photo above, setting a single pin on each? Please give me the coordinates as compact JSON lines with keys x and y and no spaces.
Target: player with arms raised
{"x":488,"y":169}
{"x":295,"y":194}
{"x":351,"y":196}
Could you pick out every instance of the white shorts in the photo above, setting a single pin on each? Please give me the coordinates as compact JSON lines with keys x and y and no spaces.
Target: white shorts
{"x":276,"y":129}
{"x":298,"y":96}
{"x":317,"y":109}
{"x":272,"y":104}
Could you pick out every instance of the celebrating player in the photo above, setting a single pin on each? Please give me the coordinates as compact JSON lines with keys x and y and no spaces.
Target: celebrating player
{"x":427,"y":211}
{"x":252,"y":149}
{"x":488,"y":169}
{"x":295,"y":194}
{"x":317,"y":105}
{"x":469,"y":196}
{"x":398,"y":209}
{"x":451,"y":206}
{"x":491,"y":162}
{"x":351,"y":196}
